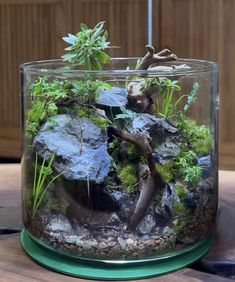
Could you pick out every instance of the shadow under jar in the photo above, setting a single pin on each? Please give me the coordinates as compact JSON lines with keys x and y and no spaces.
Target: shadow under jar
{"x":119,"y":166}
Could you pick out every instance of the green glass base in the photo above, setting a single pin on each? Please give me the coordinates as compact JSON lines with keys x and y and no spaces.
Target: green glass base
{"x":112,"y":271}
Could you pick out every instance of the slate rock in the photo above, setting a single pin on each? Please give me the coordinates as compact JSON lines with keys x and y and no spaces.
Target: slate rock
{"x":59,"y":224}
{"x":115,"y":97}
{"x":169,"y":199}
{"x":126,"y":203}
{"x":146,"y":225}
{"x":192,"y":201}
{"x":206,"y":164}
{"x":80,"y":147}
{"x":164,"y":137}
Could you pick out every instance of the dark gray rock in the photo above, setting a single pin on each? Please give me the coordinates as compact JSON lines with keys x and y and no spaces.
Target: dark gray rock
{"x":169,"y":199}
{"x":146,"y":225}
{"x":206,"y":164}
{"x":59,"y":224}
{"x":80,"y":147}
{"x":153,"y":127}
{"x":165,"y":138}
{"x":192,"y":201}
{"x":126,"y":203}
{"x":116,"y":97}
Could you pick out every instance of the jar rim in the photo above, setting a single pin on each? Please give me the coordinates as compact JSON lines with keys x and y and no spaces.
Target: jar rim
{"x":44,"y":67}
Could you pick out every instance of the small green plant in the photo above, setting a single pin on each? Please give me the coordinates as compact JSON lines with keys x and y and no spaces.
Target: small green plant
{"x":166,"y":88}
{"x":87,"y":47}
{"x":41,"y":182}
{"x":198,"y":137}
{"x":51,"y":91}
{"x":192,"y":97}
{"x":126,"y":114}
{"x":188,"y":169}
{"x":127,"y":173}
{"x":86,"y":91}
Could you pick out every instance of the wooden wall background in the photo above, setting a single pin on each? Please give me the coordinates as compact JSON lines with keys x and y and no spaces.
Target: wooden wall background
{"x":32,"y":30}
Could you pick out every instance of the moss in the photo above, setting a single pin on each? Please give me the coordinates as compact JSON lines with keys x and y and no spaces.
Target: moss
{"x":133,"y":154}
{"x":34,"y":118}
{"x":113,"y":148}
{"x":89,"y":113}
{"x":167,"y":171}
{"x":179,"y":209}
{"x":198,"y":137}
{"x":181,"y":191}
{"x":127,"y":173}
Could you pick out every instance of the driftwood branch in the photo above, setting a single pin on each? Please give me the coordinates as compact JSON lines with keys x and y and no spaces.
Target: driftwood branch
{"x":153,"y":182}
{"x":152,"y":58}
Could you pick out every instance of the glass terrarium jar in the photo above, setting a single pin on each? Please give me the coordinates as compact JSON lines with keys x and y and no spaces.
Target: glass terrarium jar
{"x":119,"y":166}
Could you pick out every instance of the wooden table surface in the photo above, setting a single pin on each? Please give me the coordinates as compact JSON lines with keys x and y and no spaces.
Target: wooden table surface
{"x":16,"y":266}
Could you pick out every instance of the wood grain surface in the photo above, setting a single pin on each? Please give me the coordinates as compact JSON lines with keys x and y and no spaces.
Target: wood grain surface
{"x":16,"y":266}
{"x":32,"y":30}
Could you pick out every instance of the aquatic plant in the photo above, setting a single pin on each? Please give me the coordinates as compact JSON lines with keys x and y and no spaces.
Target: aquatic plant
{"x":87,"y":47}
{"x":42,"y":181}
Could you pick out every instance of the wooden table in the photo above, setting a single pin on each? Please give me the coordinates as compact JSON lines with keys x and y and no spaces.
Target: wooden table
{"x":16,"y":266}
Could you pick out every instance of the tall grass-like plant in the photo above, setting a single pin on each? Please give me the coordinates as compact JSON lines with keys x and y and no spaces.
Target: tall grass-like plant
{"x":40,"y":185}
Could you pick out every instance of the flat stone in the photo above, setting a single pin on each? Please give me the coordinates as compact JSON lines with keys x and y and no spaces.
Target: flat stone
{"x":115,"y":97}
{"x":80,"y":147}
{"x":147,"y":224}
{"x":122,"y":243}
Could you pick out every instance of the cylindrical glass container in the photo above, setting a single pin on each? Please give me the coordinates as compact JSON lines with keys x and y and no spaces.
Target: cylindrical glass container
{"x":119,"y":166}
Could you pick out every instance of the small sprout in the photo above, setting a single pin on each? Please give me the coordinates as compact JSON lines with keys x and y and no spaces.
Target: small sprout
{"x":42,"y":181}
{"x":126,"y":114}
{"x":192,"y":96}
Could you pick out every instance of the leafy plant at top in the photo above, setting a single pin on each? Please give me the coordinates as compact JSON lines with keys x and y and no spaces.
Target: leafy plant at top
{"x":87,"y":47}
{"x":87,"y":90}
{"x":41,"y":183}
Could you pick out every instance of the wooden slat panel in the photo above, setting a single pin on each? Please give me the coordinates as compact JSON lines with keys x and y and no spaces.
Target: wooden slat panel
{"x":29,"y":31}
{"x":205,"y":30}
{"x":126,"y":22}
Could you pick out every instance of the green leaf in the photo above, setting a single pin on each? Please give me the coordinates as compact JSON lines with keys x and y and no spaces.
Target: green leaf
{"x":69,"y":56}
